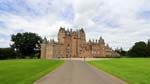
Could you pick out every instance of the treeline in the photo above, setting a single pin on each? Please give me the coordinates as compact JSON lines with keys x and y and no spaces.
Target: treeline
{"x":7,"y":53}
{"x":139,"y":49}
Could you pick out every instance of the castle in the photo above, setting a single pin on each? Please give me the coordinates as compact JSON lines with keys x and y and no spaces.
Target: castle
{"x":72,"y":44}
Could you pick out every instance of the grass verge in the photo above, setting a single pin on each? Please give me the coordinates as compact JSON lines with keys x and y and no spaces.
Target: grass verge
{"x":25,"y":71}
{"x":132,"y":70}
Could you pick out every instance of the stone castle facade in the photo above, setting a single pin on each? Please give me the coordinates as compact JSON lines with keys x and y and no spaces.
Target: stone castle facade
{"x":73,"y":44}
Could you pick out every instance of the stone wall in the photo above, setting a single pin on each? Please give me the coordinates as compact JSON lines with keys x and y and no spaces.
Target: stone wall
{"x":73,"y":44}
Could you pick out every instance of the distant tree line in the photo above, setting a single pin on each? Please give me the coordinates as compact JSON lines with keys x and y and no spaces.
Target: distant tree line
{"x":121,"y":51}
{"x":139,"y":49}
{"x":24,"y":45}
{"x":7,"y":53}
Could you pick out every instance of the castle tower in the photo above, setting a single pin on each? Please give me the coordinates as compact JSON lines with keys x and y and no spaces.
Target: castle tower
{"x":102,"y":47}
{"x":101,"y":41}
{"x":68,"y":44}
{"x":82,"y":36}
{"x":73,"y":44}
{"x":50,"y":49}
{"x":43,"y":48}
{"x":61,"y":35}
{"x":81,"y":41}
{"x":74,"y":40}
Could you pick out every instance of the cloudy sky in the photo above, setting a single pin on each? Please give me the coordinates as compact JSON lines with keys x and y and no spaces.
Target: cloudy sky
{"x":120,"y":22}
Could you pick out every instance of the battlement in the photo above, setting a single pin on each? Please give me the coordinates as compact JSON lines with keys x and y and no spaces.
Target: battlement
{"x":70,"y":32}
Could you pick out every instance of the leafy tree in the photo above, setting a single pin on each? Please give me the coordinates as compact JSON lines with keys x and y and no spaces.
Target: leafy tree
{"x":121,"y":52}
{"x":138,"y":50}
{"x":148,"y":48}
{"x":25,"y":44}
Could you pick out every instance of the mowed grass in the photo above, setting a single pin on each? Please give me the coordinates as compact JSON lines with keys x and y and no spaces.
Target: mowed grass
{"x":132,"y":70}
{"x":25,"y":71}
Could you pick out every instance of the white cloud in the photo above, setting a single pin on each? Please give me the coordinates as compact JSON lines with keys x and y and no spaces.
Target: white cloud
{"x":115,"y":20}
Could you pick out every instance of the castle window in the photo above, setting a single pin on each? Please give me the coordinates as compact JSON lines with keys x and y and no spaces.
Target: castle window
{"x":92,"y":52}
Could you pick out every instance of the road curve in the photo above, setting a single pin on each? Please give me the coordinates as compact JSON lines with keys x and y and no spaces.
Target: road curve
{"x":78,"y":72}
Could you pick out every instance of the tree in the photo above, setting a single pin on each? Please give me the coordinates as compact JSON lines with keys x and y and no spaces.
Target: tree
{"x":148,"y":48}
{"x":121,"y":52}
{"x":138,"y":50}
{"x":7,"y":53}
{"x":25,"y":44}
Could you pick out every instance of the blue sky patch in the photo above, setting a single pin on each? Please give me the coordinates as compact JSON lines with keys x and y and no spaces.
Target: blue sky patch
{"x":105,"y":22}
{"x":67,"y":13}
{"x":144,"y":15}
{"x":2,"y":24}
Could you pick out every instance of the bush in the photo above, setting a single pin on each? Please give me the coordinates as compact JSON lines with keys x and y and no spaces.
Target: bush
{"x":7,"y":53}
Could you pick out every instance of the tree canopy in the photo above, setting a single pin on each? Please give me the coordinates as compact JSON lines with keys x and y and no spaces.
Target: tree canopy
{"x":148,"y":48}
{"x":138,"y":50}
{"x":121,"y":51}
{"x":25,"y":44}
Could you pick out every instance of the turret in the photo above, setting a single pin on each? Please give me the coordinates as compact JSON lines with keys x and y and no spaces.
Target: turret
{"x":45,"y":40}
{"x":61,"y":35}
{"x":96,"y":41}
{"x":52,"y":41}
{"x":43,"y":48}
{"x":71,"y":30}
{"x":101,"y":40}
{"x":90,"y":41}
{"x":81,"y":30}
{"x":82,"y":35}
{"x":107,"y":46}
{"x":93,"y":41}
{"x":68,"y":33}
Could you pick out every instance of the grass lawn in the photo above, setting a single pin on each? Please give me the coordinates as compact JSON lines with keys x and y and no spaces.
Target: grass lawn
{"x":132,"y":70}
{"x":25,"y":71}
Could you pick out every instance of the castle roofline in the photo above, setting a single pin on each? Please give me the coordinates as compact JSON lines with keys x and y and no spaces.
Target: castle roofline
{"x":70,"y":30}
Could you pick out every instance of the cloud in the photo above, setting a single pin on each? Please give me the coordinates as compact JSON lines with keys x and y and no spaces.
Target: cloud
{"x":120,"y":22}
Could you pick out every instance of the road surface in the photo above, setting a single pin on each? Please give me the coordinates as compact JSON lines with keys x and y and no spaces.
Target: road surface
{"x":78,"y":72}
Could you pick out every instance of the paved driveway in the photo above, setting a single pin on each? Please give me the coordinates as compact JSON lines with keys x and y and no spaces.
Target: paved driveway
{"x":78,"y":72}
